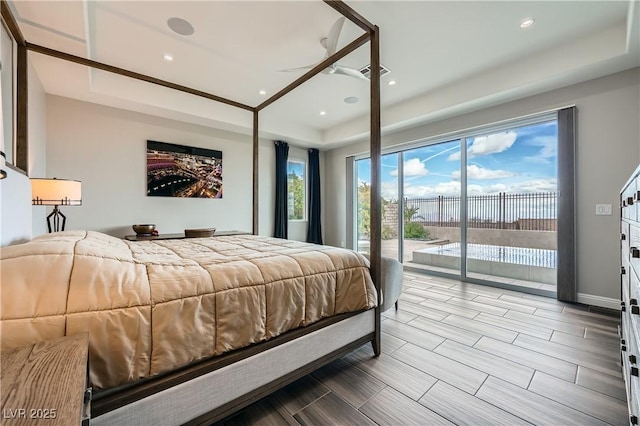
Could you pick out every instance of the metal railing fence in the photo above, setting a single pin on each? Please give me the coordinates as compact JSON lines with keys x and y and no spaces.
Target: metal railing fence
{"x":524,"y":211}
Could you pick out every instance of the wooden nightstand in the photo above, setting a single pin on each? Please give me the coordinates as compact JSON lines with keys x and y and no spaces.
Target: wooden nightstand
{"x":181,"y":236}
{"x":46,"y":383}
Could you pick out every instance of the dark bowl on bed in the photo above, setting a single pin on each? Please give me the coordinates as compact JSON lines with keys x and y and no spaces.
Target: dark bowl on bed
{"x":144,"y":229}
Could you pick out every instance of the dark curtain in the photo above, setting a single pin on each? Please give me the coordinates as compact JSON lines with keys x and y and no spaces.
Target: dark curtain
{"x":566,"y":281}
{"x":281,"y":212}
{"x":314,"y":230}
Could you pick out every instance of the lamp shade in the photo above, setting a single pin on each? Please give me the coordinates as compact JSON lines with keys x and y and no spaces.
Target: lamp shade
{"x":56,"y":192}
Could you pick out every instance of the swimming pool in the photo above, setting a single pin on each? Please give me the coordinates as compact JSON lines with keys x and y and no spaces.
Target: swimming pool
{"x":519,"y":255}
{"x":512,"y":262}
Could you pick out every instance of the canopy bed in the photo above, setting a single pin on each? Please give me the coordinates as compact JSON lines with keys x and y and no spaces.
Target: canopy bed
{"x":154,"y":382}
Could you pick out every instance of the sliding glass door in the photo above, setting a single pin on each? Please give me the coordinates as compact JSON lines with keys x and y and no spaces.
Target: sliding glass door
{"x":511,"y":206}
{"x":431,"y":211}
{"x":495,"y":219}
{"x":390,"y":205}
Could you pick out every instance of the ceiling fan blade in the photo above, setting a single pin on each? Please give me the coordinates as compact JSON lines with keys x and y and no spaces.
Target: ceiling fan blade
{"x":351,"y":72}
{"x":308,"y":67}
{"x":328,"y":70}
{"x":334,"y":35}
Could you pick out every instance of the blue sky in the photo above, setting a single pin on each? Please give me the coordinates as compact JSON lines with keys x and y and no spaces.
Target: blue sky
{"x":521,"y":160}
{"x":296,"y":168}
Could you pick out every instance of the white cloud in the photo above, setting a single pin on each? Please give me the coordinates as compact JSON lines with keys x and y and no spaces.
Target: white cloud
{"x":536,"y":185}
{"x":428,"y":191}
{"x":487,"y":189}
{"x":529,"y":186}
{"x":486,"y":145}
{"x":476,"y":172}
{"x":413,"y":167}
{"x":389,"y":190}
{"x":548,"y":149}
{"x":452,"y":188}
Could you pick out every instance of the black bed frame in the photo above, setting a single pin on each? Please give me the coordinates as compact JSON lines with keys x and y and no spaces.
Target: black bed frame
{"x":110,"y":400}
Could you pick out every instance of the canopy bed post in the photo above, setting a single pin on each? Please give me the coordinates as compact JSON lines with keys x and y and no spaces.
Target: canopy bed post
{"x":376,"y":201}
{"x":22,"y":110}
{"x":265,"y":366}
{"x":256,"y":198}
{"x":373,"y":33}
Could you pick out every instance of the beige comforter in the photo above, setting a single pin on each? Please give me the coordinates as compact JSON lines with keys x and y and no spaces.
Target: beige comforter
{"x":152,"y":306}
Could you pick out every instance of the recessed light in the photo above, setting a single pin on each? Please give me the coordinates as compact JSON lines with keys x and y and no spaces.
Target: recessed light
{"x":180,"y":26}
{"x":167,"y":57}
{"x":351,"y":100}
{"x":262,"y":92}
{"x":323,"y":113}
{"x":527,"y":22}
{"x":391,"y":82}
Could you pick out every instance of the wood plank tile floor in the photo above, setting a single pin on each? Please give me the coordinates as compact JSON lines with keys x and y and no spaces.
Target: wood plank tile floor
{"x":457,"y":353}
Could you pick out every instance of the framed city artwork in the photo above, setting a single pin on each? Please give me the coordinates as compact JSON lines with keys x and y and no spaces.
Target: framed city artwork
{"x":183,"y":171}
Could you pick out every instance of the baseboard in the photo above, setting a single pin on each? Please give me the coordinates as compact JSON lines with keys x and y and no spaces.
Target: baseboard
{"x":603,"y":302}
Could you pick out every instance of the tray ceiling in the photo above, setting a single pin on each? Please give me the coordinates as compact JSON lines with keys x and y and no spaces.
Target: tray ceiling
{"x":447,"y":57}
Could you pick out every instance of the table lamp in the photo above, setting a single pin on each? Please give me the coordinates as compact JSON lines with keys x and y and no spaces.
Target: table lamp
{"x":56,"y":192}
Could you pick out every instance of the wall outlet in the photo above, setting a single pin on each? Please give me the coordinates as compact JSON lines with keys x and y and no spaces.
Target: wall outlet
{"x":603,"y":209}
{"x":341,"y":243}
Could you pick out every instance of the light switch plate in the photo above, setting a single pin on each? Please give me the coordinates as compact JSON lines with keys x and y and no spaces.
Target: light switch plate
{"x":603,"y":209}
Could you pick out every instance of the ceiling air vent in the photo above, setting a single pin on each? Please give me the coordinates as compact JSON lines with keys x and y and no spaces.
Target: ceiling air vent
{"x":366,"y":70}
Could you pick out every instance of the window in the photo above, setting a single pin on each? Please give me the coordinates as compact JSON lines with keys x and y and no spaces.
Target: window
{"x":296,"y":189}
{"x":480,"y":204}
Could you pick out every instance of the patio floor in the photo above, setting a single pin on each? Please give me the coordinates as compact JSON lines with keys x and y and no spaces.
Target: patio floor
{"x":390,"y":249}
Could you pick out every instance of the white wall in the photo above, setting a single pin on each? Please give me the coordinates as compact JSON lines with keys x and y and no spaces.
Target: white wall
{"x":15,"y":208}
{"x":105,"y":148}
{"x":608,"y":149}
{"x":266,"y":188}
{"x":37,"y":143}
{"x":19,"y":219}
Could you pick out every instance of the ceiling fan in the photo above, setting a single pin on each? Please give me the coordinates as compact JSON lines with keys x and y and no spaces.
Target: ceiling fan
{"x":330,"y":43}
